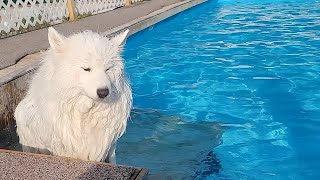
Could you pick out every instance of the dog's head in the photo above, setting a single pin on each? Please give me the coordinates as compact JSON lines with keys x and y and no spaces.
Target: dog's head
{"x":88,"y":62}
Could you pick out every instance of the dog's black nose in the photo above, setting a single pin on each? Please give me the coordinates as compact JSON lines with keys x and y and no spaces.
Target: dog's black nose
{"x":102,"y":93}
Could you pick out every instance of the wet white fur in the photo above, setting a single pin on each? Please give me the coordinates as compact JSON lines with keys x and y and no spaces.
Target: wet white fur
{"x":62,"y":113}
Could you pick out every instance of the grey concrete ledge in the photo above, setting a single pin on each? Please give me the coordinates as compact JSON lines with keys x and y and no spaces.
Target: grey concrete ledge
{"x":30,"y":62}
{"x":155,"y":17}
{"x":26,"y":65}
{"x":19,"y":165}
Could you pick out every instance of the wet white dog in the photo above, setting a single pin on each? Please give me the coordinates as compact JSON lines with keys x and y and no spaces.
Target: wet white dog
{"x":79,"y":100}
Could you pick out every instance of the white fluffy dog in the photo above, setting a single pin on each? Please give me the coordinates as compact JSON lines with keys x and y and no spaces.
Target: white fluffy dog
{"x":79,"y":100}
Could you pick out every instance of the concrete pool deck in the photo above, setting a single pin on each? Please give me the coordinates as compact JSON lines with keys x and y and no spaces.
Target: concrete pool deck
{"x":18,"y":165}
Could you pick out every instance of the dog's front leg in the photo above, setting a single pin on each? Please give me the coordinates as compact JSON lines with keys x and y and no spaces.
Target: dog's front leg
{"x":112,"y":154}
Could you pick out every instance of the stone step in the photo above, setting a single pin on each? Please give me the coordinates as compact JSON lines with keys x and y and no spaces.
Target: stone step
{"x":20,"y":165}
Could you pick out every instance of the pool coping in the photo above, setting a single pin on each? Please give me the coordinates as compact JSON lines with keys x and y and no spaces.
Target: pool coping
{"x":32,"y":61}
{"x":24,"y":160}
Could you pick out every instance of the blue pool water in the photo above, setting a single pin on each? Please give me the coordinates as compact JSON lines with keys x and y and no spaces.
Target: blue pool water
{"x":227,"y":90}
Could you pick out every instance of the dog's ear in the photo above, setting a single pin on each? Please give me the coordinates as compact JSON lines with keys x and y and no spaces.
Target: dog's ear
{"x":120,"y":38}
{"x":55,"y":39}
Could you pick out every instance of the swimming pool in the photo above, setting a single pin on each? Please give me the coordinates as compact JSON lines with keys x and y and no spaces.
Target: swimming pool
{"x":227,"y":90}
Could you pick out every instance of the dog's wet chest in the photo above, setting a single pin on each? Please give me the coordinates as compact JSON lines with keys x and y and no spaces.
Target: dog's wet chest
{"x":93,"y":127}
{"x":98,"y":124}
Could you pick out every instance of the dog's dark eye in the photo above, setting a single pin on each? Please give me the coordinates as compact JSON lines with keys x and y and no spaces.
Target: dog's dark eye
{"x":86,"y":69}
{"x":108,"y":69}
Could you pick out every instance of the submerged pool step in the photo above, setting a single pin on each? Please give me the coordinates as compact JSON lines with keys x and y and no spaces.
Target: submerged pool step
{"x":19,"y":165}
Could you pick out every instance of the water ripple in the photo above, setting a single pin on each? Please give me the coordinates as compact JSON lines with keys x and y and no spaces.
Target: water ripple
{"x":251,"y":66}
